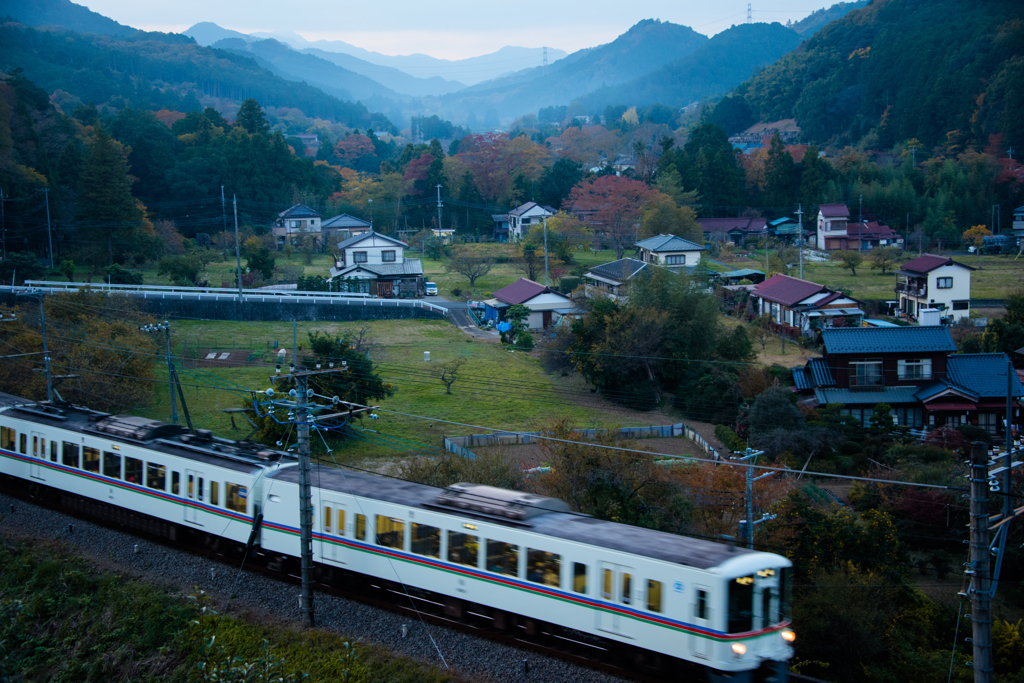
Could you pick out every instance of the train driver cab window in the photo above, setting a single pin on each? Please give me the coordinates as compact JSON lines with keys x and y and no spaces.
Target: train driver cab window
{"x":361,"y":527}
{"x":426,"y":540}
{"x":653,"y":595}
{"x":176,"y":483}
{"x":111,"y":465}
{"x":741,"y":604}
{"x":214,"y":493}
{"x":24,"y":444}
{"x":91,"y":459}
{"x":236,"y":496}
{"x":463,"y":548}
{"x":156,"y":476}
{"x":133,"y":470}
{"x":7,"y":438}
{"x":70,"y":454}
{"x":768,"y":616}
{"x":579,"y":577}
{"x":543,"y":567}
{"x":786,"y":595}
{"x":53,"y":451}
{"x":503,"y":558}
{"x":390,"y":532}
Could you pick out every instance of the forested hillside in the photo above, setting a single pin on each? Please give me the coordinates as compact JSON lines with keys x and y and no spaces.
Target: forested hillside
{"x":66,"y":14}
{"x":158,"y":71}
{"x":814,"y":21}
{"x":938,"y":71}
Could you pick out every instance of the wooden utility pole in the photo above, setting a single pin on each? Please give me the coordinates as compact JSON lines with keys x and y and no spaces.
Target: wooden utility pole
{"x":979,"y":566}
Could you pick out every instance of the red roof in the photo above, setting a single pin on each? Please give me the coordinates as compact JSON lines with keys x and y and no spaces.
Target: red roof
{"x":520,"y":291}
{"x":834,"y":210}
{"x":786,"y":290}
{"x":929,"y":262}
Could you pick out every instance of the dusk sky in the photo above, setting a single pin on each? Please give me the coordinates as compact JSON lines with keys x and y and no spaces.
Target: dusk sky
{"x":450,"y":29}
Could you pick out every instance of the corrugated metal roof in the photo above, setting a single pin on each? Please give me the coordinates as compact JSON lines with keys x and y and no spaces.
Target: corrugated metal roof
{"x":983,"y":374}
{"x":668,"y":243}
{"x":620,"y":270}
{"x":888,"y":339}
{"x":888,"y":395}
{"x":741,"y":273}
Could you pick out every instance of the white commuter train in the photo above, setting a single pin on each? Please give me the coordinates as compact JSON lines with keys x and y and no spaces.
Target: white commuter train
{"x":525,"y":560}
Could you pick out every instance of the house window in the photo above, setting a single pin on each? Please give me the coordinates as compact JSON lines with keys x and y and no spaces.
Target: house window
{"x":294,"y":224}
{"x":962,"y":305}
{"x":388,"y":256}
{"x":358,"y":257}
{"x":944,"y":283}
{"x":676,"y":260}
{"x":866,"y":374}
{"x":919,"y":368}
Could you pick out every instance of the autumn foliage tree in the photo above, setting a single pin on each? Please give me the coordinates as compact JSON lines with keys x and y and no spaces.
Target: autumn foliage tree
{"x":612,"y":205}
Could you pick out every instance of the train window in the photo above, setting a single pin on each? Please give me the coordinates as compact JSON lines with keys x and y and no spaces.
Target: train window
{"x":341,"y":522}
{"x":191,"y":486}
{"x":426,"y":540}
{"x":654,"y":595}
{"x":390,"y":532}
{"x":111,"y":465}
{"x":503,"y":558}
{"x":741,"y":604}
{"x":700,"y":610}
{"x":53,"y":451}
{"x":42,"y":447}
{"x":543,"y":567}
{"x":24,"y":444}
{"x":579,"y":577}
{"x":156,"y":476}
{"x":786,"y":595}
{"x":70,"y":454}
{"x":91,"y":459}
{"x":328,"y":517}
{"x":214,"y":493}
{"x":35,"y":446}
{"x":767,"y":617}
{"x":175,"y":483}
{"x":627,"y":589}
{"x":361,"y":527}
{"x":7,"y":438}
{"x":199,"y":489}
{"x":132,"y":470}
{"x":463,"y":548}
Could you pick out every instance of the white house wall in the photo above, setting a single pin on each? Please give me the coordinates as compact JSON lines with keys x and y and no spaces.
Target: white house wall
{"x":960,"y":291}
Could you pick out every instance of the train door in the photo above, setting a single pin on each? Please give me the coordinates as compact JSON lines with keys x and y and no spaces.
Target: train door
{"x":617,"y":588}
{"x":193,"y":495}
{"x":333,"y":521}
{"x":701,"y":618}
{"x":35,"y":467}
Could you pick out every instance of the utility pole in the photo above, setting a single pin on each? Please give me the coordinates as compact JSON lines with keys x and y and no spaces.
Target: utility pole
{"x":747,"y":525}
{"x":1009,"y":153}
{"x":800,"y":237}
{"x":438,"y":207}
{"x":370,"y":201}
{"x":46,"y":352}
{"x":545,"y":250}
{"x":49,"y":234}
{"x":223,"y":211}
{"x":238,"y":252}
{"x":861,"y":208}
{"x":3,"y":222}
{"x":978,"y":568}
{"x":165,"y":326}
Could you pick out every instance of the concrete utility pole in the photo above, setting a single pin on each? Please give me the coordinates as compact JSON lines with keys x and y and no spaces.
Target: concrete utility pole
{"x":46,"y":353}
{"x":3,"y":222}
{"x":165,"y":326}
{"x":980,"y":590}
{"x":545,"y":250}
{"x":800,"y":237}
{"x":747,"y":525}
{"x":49,"y":234}
{"x":238,"y":252}
{"x":438,"y":207}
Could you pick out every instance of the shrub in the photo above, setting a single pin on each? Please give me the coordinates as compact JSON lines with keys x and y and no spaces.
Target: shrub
{"x":729,"y":438}
{"x":524,"y":341}
{"x":456,"y":291}
{"x":118,"y":275}
{"x":976,"y":433}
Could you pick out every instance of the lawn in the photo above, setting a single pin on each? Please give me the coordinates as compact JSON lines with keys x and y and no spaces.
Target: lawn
{"x":995,"y":275}
{"x":496,"y":387}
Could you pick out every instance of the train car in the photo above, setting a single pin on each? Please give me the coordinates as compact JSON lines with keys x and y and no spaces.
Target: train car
{"x":525,"y":558}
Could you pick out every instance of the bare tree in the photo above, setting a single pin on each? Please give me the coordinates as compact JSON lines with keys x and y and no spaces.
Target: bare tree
{"x":762,"y":334}
{"x":470,"y":267}
{"x":448,"y":372}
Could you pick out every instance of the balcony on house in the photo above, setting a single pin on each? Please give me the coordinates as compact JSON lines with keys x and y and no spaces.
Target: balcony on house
{"x":912,"y":286}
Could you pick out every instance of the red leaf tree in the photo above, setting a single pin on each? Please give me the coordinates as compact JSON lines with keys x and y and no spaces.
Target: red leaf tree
{"x":612,"y":206}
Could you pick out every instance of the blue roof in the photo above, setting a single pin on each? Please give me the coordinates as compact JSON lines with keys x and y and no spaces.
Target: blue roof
{"x":820,"y":373}
{"x":780,"y":221}
{"x":668,"y":243}
{"x":742,"y":273}
{"x":930,"y":391}
{"x":912,"y":339}
{"x":888,"y":395}
{"x":983,"y":374}
{"x":801,"y":380}
{"x":871,"y":322}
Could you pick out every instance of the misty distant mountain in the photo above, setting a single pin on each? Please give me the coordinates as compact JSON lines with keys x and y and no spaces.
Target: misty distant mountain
{"x":643,"y":48}
{"x":65,"y":14}
{"x":810,"y":24}
{"x":206,"y":33}
{"x":390,"y":77}
{"x":718,"y":66}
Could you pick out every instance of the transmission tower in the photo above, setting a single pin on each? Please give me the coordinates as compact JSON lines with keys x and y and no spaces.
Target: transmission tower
{"x":545,"y":61}
{"x":749,"y":14}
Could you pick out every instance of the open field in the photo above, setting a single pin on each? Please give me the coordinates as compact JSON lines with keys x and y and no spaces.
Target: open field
{"x":995,"y":277}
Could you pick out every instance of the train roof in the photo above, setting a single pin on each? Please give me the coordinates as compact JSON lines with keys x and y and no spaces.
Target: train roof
{"x":659,"y":545}
{"x":162,"y":437}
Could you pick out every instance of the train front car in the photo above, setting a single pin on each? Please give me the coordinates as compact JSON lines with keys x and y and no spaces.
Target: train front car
{"x":755,"y":640}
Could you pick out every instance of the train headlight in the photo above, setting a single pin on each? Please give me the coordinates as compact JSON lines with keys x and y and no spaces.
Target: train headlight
{"x":739,"y":648}
{"x":788,"y":635}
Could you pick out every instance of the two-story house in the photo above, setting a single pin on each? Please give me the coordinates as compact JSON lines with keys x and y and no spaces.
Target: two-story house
{"x":669,"y":251}
{"x":931,"y":281}
{"x":1018,"y":225}
{"x":376,"y":264}
{"x":916,"y":371}
{"x":801,"y":306}
{"x":832,"y":220}
{"x":294,"y":223}
{"x":613,"y":279}
{"x":517,"y":222}
{"x":341,"y":227}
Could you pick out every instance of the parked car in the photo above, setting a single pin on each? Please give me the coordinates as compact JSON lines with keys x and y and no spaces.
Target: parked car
{"x":430,"y":288}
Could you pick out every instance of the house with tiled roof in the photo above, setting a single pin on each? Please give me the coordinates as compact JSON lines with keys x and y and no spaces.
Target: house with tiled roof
{"x":669,"y":251}
{"x":375,"y":264}
{"x":342,"y":227}
{"x":917,"y":372}
{"x":612,"y":279}
{"x":836,"y":231}
{"x":546,"y":305}
{"x":800,"y":306}
{"x":294,"y":223}
{"x":931,"y":281}
{"x":517,"y":222}
{"x":735,"y":230}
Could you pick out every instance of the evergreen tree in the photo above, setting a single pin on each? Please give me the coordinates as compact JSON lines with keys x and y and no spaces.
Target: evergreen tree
{"x":779,"y":176}
{"x":814,"y":177}
{"x":251,"y":118}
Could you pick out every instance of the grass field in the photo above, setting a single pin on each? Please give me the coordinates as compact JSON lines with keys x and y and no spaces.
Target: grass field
{"x":994,"y":277}
{"x":496,"y":388}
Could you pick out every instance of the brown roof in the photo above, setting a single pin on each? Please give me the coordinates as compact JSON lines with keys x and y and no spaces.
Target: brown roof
{"x":750,"y":225}
{"x":520,"y":291}
{"x":786,"y":290}
{"x":870,"y":230}
{"x":929,"y":262}
{"x":834,"y":210}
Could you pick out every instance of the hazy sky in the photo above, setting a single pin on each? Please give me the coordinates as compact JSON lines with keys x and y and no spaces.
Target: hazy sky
{"x":449,"y":29}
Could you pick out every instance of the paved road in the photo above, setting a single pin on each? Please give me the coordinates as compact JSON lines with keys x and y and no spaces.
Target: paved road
{"x":459,"y":316}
